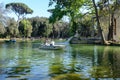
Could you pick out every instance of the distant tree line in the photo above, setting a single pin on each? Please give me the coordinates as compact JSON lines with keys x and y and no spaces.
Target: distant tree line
{"x":33,"y":27}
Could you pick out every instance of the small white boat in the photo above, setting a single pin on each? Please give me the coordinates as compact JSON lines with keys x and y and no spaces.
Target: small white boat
{"x":52,"y":47}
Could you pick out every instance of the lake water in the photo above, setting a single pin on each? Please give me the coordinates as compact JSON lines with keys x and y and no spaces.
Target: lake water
{"x":25,"y":61}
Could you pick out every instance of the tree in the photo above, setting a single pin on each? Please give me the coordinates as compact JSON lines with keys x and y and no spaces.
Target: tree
{"x":109,"y":8}
{"x":20,"y":9}
{"x":112,"y":8}
{"x":25,"y":28}
{"x":41,"y":26}
{"x":98,"y":23}
{"x":2,"y":29}
{"x":66,"y":7}
{"x":3,"y":19}
{"x":85,"y":28}
{"x":11,"y":28}
{"x":72,"y":9}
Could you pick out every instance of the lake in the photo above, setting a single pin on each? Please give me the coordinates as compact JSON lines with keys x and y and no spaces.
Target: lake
{"x":25,"y":61}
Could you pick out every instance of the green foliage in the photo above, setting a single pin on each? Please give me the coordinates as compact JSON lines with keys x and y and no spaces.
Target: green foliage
{"x":65,"y":7}
{"x":86,"y":27}
{"x":11,"y":28}
{"x":3,"y":18}
{"x":2,"y":29}
{"x":25,"y":28}
{"x":57,"y":14}
{"x":20,"y":9}
{"x":60,"y":29}
{"x":41,"y":26}
{"x":70,"y":8}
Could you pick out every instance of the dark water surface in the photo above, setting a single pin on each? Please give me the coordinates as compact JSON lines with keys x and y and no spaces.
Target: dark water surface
{"x":25,"y":61}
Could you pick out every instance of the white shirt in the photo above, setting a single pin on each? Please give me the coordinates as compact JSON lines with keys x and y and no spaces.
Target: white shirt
{"x":52,"y":42}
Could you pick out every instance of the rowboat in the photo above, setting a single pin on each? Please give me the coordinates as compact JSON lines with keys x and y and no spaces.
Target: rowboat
{"x":52,"y":47}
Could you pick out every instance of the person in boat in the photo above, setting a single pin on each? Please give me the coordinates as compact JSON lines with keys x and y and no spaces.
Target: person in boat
{"x":46,"y":42}
{"x":52,"y":43}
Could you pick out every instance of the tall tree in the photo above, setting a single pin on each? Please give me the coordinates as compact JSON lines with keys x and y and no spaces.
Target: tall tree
{"x":98,"y":23}
{"x":20,"y":9}
{"x":25,"y":28}
{"x":69,"y":8}
{"x":12,"y":30}
{"x":109,"y":7}
{"x":72,"y":9}
{"x":41,"y":26}
{"x":3,"y":19}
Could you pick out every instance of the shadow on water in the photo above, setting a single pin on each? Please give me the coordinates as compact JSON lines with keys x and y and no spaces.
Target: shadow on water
{"x":25,"y":61}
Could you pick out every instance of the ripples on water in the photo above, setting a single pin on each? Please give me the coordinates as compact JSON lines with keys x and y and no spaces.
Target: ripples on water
{"x":25,"y":61}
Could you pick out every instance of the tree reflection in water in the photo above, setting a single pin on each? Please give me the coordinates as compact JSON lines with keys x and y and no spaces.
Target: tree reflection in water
{"x":106,"y":64}
{"x":78,"y":62}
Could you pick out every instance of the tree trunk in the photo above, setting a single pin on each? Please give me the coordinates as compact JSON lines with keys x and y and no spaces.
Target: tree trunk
{"x":98,"y":24}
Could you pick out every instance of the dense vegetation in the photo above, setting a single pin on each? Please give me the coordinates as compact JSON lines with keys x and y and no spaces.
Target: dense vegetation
{"x":29,"y":27}
{"x":96,"y":8}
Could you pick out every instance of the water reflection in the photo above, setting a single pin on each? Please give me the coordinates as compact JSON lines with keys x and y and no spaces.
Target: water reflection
{"x":25,"y":61}
{"x":107,"y":63}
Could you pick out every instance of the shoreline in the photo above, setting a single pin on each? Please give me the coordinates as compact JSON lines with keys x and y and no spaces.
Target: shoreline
{"x":21,"y":39}
{"x":28,"y":39}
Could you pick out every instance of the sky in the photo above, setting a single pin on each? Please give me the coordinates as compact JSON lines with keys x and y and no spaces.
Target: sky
{"x":39,"y":7}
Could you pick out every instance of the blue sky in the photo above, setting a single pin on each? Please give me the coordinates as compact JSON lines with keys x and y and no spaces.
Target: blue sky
{"x":39,"y":7}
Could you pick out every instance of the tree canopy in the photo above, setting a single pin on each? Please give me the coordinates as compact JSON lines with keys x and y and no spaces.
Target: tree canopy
{"x":25,"y":28}
{"x":70,"y":8}
{"x":20,"y":9}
